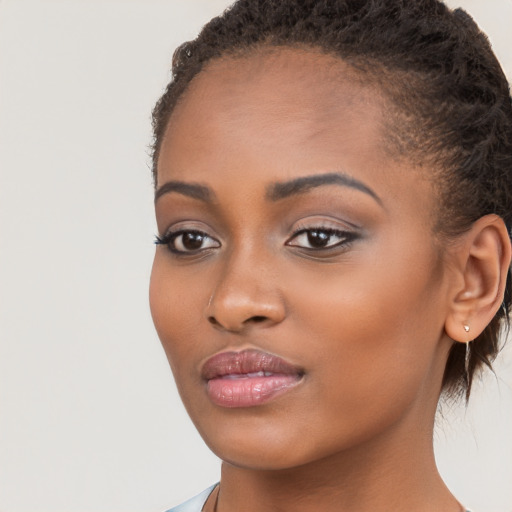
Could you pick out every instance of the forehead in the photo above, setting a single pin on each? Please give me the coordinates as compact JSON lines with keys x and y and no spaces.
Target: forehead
{"x":275,"y":77}
{"x":273,"y":95}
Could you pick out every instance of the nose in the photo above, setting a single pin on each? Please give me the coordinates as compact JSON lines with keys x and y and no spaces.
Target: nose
{"x":245,"y":295}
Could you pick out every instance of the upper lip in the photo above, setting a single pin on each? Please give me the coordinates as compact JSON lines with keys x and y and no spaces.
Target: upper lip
{"x":247,"y":361}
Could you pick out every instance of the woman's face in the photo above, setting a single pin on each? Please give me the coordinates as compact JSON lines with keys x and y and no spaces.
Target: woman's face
{"x":300,"y":257}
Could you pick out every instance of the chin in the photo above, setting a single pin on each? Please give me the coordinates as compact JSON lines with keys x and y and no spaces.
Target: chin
{"x":253,"y":441}
{"x":264,"y":445}
{"x":262,"y":458}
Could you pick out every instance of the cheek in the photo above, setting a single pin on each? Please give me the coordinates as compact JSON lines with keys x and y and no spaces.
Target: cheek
{"x":372,"y":334}
{"x":174,"y":305}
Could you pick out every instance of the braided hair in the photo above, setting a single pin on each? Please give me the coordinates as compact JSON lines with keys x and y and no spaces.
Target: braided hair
{"x":449,"y":104}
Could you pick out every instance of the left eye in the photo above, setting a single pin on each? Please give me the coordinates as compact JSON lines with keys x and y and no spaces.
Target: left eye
{"x":182,"y":242}
{"x":320,"y":238}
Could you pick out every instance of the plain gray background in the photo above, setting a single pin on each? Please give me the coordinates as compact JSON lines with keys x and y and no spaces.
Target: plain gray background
{"x":89,"y":417}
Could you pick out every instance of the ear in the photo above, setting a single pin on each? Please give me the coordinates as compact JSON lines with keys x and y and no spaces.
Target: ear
{"x":482,"y":262}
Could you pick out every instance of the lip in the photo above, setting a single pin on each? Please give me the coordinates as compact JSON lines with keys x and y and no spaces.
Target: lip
{"x":248,"y":378}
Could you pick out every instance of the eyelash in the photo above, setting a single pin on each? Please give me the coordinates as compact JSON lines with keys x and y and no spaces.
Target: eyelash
{"x":346,"y":237}
{"x":169,"y":239}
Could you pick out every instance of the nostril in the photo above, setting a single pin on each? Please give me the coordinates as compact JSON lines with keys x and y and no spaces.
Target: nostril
{"x":256,"y":319}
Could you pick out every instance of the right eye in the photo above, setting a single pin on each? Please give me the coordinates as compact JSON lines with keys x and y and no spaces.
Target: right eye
{"x":187,"y":241}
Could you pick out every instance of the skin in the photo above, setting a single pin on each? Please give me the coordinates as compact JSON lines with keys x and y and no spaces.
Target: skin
{"x":364,"y":319}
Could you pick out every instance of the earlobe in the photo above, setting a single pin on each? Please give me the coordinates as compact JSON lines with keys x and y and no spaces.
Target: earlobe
{"x":483,"y":261}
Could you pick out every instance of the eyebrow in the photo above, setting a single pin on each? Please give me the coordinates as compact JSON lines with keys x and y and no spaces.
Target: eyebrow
{"x":193,"y":190}
{"x":276,"y":191}
{"x":286,"y":189}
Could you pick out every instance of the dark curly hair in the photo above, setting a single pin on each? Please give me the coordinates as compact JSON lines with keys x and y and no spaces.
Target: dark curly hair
{"x":449,"y":104}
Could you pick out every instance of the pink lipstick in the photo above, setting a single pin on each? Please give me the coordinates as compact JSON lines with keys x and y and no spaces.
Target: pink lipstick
{"x":248,"y":378}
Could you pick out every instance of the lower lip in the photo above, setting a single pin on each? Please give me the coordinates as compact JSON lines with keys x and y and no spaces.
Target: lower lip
{"x":249,"y":391}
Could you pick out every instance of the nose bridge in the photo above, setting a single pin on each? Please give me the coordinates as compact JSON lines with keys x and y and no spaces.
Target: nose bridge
{"x":246,"y":291}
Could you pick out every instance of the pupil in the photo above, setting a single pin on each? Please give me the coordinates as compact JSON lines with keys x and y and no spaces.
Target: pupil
{"x":318,"y":238}
{"x":192,"y":241}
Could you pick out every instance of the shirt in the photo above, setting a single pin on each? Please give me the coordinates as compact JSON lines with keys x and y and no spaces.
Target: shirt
{"x":196,"y":503}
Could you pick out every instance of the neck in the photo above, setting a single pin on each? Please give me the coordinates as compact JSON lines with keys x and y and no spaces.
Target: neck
{"x":395,"y":471}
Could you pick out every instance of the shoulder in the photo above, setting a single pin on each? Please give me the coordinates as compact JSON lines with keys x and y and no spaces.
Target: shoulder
{"x":194,"y":504}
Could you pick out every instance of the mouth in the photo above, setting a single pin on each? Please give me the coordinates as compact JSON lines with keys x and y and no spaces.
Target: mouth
{"x":248,"y":378}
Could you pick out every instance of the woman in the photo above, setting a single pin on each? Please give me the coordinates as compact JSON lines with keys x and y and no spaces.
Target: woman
{"x":333,"y":200}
